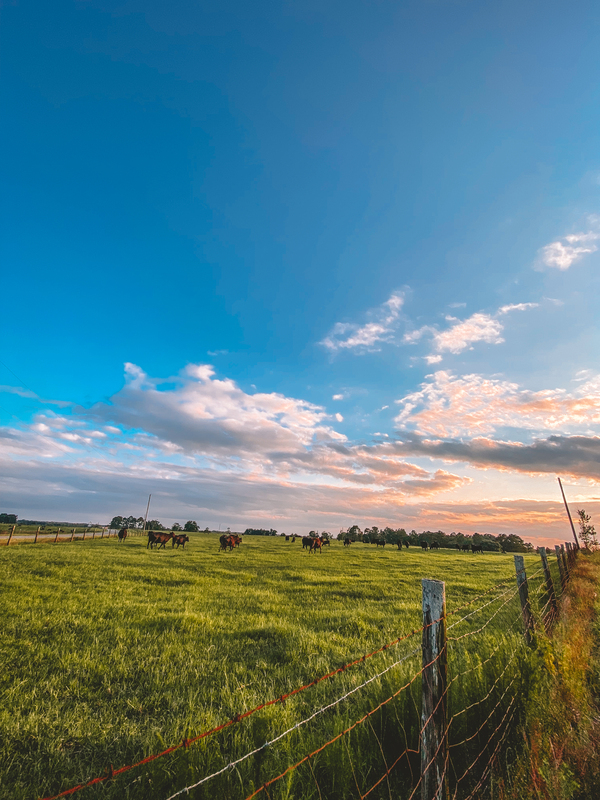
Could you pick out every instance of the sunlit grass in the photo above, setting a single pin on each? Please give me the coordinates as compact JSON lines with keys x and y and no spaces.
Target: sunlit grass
{"x":112,"y":652}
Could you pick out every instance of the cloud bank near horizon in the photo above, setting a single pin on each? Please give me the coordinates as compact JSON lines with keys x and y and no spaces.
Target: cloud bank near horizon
{"x":205,"y":447}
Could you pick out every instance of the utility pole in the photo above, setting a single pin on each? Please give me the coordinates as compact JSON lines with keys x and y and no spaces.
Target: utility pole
{"x":569,"y":513}
{"x":147,"y":507}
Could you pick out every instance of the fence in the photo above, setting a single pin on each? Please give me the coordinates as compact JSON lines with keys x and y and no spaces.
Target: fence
{"x":439,"y":730}
{"x":66,"y":534}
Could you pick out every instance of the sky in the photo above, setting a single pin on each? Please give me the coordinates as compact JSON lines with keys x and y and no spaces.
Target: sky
{"x":301,"y":265}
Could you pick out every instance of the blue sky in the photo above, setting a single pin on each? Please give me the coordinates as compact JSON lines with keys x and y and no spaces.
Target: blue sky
{"x":393,"y":204}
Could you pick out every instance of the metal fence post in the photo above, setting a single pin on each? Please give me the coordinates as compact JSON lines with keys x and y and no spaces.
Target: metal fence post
{"x":434,"y":734}
{"x":549,"y":584}
{"x":524,"y":598}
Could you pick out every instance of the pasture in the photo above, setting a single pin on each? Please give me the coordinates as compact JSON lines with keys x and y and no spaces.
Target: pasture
{"x":112,"y":652}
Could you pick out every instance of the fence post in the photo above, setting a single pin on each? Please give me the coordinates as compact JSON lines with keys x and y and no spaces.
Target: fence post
{"x":564,"y":558}
{"x":36,"y":535}
{"x":72,"y":534}
{"x":84,"y":531}
{"x":524,"y":598}
{"x":549,"y":584}
{"x":94,"y":533}
{"x":561,"y":568}
{"x":12,"y":530}
{"x":56,"y":537}
{"x":434,"y":734}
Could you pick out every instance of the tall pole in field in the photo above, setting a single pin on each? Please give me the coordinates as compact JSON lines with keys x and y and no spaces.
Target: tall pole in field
{"x":569,"y":513}
{"x":147,"y":507}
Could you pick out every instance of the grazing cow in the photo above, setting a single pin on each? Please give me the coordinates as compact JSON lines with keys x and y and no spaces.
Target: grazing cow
{"x":347,"y":542}
{"x":307,"y":542}
{"x":424,"y":545}
{"x":477,"y":548}
{"x":122,"y":534}
{"x":434,"y":546}
{"x":293,"y":539}
{"x":180,"y":540}
{"x":315,"y":544}
{"x":406,"y":543}
{"x":465,"y":548}
{"x":380,"y":542}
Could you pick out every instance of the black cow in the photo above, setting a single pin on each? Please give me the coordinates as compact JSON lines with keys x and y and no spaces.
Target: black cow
{"x":465,"y":547}
{"x":434,"y":546}
{"x":122,"y":534}
{"x":477,"y":548}
{"x":424,"y":545}
{"x":380,"y":542}
{"x":347,"y":542}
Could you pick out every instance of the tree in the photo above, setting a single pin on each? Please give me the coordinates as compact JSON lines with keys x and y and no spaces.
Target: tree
{"x":153,"y":525}
{"x":191,"y":526}
{"x":117,"y":522}
{"x":10,"y":518}
{"x":176,"y":527}
{"x":587,"y":531}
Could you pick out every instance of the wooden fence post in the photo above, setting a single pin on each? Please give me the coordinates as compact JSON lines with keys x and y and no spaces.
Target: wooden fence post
{"x":549,"y":584}
{"x":56,"y":537}
{"x":434,"y":734}
{"x":94,"y":533}
{"x":72,"y":534}
{"x":564,"y":558}
{"x":12,"y":530}
{"x":36,"y":535}
{"x":561,"y":568}
{"x":84,"y":531}
{"x":524,"y":598}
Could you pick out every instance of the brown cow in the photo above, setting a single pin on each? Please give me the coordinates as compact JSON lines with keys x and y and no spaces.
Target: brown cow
{"x":122,"y":534}
{"x":181,"y":539}
{"x":315,"y":544}
{"x":161,"y":539}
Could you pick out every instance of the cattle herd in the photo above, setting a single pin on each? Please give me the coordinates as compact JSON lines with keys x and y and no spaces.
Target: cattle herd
{"x":229,"y":541}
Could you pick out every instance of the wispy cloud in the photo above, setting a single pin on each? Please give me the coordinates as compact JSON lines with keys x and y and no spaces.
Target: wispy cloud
{"x":562,"y":253}
{"x":363,"y":338}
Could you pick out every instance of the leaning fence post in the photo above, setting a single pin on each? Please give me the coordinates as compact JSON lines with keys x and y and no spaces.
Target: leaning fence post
{"x":56,"y":537}
{"x":561,"y":568}
{"x":84,"y":531}
{"x":549,"y":584}
{"x":434,"y":734}
{"x":12,"y":530}
{"x":524,"y":598}
{"x":36,"y":536}
{"x":72,"y":534}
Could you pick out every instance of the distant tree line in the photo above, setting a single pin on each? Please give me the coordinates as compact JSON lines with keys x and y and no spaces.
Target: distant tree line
{"x":11,"y":519}
{"x":503,"y":543}
{"x":191,"y":526}
{"x":260,"y":532}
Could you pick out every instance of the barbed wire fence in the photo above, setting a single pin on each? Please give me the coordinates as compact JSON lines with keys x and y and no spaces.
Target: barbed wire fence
{"x":436,"y":732}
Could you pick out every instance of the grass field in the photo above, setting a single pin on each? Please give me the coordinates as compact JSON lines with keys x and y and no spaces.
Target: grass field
{"x":112,"y":652}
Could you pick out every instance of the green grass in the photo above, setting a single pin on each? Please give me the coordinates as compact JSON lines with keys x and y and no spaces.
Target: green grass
{"x":111,"y":652}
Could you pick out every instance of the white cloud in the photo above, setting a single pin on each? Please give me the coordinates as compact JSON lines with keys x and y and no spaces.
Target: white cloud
{"x":433,"y":359}
{"x":477,"y":328}
{"x":362,"y":338}
{"x":517,"y":307}
{"x":473,"y":405}
{"x":339,"y":417}
{"x":561,"y":254}
{"x":338,"y":397}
